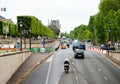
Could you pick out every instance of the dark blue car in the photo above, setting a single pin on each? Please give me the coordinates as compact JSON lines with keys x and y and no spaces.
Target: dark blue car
{"x":82,"y":46}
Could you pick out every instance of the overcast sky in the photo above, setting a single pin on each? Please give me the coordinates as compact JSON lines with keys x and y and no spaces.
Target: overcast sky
{"x":71,"y":13}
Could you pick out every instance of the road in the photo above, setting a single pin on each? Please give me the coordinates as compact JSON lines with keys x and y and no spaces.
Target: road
{"x":94,"y":69}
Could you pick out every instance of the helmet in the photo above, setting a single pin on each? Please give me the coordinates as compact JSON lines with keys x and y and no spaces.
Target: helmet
{"x":66,"y":59}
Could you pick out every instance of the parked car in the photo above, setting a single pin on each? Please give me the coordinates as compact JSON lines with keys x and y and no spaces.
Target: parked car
{"x":106,"y":47}
{"x":79,"y":53}
{"x":112,"y":48}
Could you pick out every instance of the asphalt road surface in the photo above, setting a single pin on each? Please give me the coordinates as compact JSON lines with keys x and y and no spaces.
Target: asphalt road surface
{"x":94,"y":69}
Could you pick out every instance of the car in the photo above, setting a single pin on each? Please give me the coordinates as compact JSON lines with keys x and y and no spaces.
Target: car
{"x":63,"y":46}
{"x":76,"y":45}
{"x":106,"y":47}
{"x":79,"y":53}
{"x":112,"y":48}
{"x":82,"y":46}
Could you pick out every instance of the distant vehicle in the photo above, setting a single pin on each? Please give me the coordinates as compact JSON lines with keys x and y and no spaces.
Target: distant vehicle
{"x":106,"y":47}
{"x":68,"y":45}
{"x":87,"y":44}
{"x":79,"y":53}
{"x":63,"y":46}
{"x":82,"y":46}
{"x":75,"y":45}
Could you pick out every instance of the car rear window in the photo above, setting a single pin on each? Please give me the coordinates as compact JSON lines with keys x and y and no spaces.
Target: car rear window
{"x":75,"y":43}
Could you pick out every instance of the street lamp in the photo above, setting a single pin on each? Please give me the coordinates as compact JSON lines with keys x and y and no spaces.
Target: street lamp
{"x":21,"y":26}
{"x":25,"y":33}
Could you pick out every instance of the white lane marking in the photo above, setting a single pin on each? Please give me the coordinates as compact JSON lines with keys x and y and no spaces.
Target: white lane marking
{"x":105,"y":78}
{"x":58,"y":79}
{"x":76,"y":78}
{"x":49,"y":69}
{"x":50,"y":59}
{"x":38,"y":62}
{"x":99,"y":69}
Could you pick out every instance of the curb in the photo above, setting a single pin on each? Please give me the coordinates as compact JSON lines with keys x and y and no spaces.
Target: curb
{"x":30,"y":70}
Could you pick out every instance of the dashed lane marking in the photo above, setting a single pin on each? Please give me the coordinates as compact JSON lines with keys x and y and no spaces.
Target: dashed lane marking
{"x":50,"y":59}
{"x":99,"y":69}
{"x":105,"y":78}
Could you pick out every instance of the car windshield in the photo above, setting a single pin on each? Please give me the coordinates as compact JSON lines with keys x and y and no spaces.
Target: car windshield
{"x":75,"y":43}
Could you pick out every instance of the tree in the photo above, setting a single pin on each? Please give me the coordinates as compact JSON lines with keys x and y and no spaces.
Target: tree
{"x":92,"y":29}
{"x":37,"y":28}
{"x":107,"y":5}
{"x":117,"y":22}
{"x":81,"y":32}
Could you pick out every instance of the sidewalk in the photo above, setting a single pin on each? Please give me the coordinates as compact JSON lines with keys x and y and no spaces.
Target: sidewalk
{"x":28,"y":66}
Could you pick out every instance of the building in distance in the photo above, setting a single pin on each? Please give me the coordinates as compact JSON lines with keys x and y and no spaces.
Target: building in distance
{"x":56,"y":23}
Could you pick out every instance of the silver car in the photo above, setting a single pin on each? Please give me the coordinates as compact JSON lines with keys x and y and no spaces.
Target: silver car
{"x":79,"y":53}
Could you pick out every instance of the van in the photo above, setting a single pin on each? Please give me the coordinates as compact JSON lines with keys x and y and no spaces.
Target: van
{"x":76,"y":44}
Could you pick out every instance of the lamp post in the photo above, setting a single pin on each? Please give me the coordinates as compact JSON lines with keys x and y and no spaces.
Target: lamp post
{"x":30,"y":37}
{"x":21,"y":26}
{"x":25,"y":33}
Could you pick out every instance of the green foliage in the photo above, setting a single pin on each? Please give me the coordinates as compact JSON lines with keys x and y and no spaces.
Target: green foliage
{"x":107,"y":5}
{"x":117,"y":23}
{"x":81,"y":32}
{"x":1,"y":27}
{"x":11,"y":26}
{"x":97,"y":30}
{"x":65,"y":34}
{"x":37,"y":28}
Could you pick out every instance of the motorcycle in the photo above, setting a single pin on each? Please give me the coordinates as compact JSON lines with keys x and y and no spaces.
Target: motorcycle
{"x":66,"y":68}
{"x":68,"y":45}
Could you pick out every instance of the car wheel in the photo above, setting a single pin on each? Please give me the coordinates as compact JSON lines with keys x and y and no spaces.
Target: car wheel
{"x":83,"y":57}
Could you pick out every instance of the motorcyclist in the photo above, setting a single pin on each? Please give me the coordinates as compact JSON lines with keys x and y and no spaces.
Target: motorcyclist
{"x":66,"y":65}
{"x":68,"y":45}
